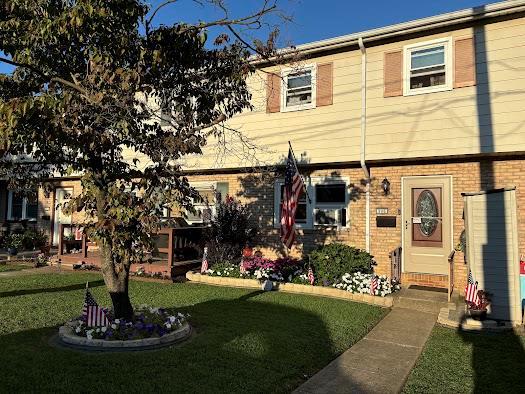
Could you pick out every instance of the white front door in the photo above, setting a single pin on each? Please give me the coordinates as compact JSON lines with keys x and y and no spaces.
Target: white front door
{"x":61,"y":195}
{"x":427,"y":227}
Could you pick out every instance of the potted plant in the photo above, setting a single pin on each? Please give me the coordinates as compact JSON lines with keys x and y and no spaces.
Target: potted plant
{"x":479,"y":311}
{"x":13,"y":243}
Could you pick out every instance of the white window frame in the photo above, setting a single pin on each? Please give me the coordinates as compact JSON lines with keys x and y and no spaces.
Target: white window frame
{"x":24,"y":209}
{"x":203,"y":186}
{"x":311,"y":206}
{"x":284,"y":87}
{"x":407,"y":51}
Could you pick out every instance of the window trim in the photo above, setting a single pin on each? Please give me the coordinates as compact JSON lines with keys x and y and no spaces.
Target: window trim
{"x":203,"y":185}
{"x":284,"y":87}
{"x":24,"y":209}
{"x":407,"y":51}
{"x":311,"y":182}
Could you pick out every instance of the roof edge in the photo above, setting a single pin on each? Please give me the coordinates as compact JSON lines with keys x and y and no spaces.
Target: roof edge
{"x":438,"y":21}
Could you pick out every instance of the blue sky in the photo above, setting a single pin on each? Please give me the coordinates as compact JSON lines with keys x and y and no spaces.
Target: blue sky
{"x":318,"y":19}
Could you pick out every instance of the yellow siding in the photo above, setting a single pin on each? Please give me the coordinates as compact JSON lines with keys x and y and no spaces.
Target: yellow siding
{"x":488,"y":117}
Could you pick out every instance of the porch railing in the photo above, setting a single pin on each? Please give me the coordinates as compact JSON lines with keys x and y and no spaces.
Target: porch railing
{"x":175,"y":248}
{"x":395,"y":264}
{"x":451,"y":274}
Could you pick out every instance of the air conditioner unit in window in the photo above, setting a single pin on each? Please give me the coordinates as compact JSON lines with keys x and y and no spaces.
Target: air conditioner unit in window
{"x":330,"y":217}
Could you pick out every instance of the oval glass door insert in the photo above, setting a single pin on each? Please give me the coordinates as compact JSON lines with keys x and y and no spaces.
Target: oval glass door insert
{"x":427,"y":208}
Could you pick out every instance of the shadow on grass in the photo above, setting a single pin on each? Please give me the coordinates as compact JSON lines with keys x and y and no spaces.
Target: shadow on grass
{"x":498,"y":361}
{"x":80,"y":286}
{"x":245,"y":344}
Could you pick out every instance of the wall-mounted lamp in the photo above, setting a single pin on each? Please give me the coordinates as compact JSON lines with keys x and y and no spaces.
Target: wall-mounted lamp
{"x":385,"y":185}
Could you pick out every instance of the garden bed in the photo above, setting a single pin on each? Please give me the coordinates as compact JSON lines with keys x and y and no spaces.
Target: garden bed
{"x":292,"y":288}
{"x":67,"y":336}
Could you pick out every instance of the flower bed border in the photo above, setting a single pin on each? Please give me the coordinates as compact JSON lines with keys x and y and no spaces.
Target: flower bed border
{"x":292,"y":288}
{"x":68,"y":338}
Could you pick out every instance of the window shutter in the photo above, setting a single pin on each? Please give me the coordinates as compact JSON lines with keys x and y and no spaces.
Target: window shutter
{"x":393,"y":74}
{"x":324,"y":84}
{"x":464,"y":63}
{"x":273,"y":93}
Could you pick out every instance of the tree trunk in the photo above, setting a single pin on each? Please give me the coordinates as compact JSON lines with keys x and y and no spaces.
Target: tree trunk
{"x":116,"y":278}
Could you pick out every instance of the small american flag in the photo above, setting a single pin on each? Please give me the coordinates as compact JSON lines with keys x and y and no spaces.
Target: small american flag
{"x":293,"y":185}
{"x":311,"y":276}
{"x":242,"y":268}
{"x":94,"y":315}
{"x":204,"y":265}
{"x":471,"y":291}
{"x":373,"y":285}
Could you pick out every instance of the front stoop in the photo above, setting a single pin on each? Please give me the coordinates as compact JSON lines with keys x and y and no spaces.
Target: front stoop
{"x":421,"y":300}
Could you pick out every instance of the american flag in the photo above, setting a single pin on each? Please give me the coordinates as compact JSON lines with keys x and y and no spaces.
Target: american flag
{"x":311,"y":276}
{"x":293,"y":184}
{"x":242,"y":268}
{"x":94,"y":315}
{"x":373,"y":285}
{"x":471,"y":291}
{"x":204,"y":265}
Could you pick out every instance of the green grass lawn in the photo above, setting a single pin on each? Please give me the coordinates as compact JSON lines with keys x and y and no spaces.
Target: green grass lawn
{"x":244,"y":341}
{"x":460,"y":362}
{"x":13,"y":267}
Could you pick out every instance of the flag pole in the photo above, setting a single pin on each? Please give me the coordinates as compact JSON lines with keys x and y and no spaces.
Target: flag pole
{"x":297,"y":169}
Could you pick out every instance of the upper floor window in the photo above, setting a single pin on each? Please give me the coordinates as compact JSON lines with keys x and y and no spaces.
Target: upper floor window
{"x":21,"y":208}
{"x":428,"y":67}
{"x":299,"y":88}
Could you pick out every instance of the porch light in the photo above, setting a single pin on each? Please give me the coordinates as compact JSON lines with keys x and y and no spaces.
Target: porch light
{"x":385,"y":185}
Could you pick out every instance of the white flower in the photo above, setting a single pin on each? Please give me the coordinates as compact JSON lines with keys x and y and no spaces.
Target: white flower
{"x":117,"y":321}
{"x":114,"y":326}
{"x":104,"y":329}
{"x":98,"y":329}
{"x":168,"y":326}
{"x":172,"y":319}
{"x":78,"y":329}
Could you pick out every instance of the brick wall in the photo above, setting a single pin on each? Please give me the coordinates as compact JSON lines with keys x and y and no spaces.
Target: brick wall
{"x":467,"y":177}
{"x":257,"y":191}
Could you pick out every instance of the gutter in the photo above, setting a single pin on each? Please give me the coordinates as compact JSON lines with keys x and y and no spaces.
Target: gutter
{"x":401,"y":29}
{"x":362,"y":158}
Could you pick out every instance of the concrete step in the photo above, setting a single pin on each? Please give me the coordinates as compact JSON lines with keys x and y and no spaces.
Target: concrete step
{"x":421,"y":300}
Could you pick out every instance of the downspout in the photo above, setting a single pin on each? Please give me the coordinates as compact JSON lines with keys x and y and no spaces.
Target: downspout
{"x":363,"y":142}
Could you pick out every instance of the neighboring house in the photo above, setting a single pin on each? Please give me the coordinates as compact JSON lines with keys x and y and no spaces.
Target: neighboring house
{"x":426,"y":110}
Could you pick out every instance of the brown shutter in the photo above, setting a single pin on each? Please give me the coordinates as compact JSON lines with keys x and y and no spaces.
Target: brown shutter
{"x":324,"y":84}
{"x":393,"y":74}
{"x":273,"y":93}
{"x":464,"y":63}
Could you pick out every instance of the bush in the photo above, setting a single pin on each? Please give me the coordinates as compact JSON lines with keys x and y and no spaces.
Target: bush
{"x":229,"y":232}
{"x":331,"y":262}
{"x":33,"y":239}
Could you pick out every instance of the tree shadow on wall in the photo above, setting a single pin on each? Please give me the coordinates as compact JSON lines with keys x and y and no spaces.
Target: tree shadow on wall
{"x":258,"y":190}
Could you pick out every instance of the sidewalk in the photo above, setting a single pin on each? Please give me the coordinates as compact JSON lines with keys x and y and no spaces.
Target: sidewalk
{"x":381,"y":361}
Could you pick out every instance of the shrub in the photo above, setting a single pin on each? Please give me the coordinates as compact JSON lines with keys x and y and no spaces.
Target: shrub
{"x":331,"y":262}
{"x":14,"y":241}
{"x":33,"y":239}
{"x":229,"y":231}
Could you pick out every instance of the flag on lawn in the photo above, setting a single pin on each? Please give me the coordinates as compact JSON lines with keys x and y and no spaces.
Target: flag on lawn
{"x":293,"y":185}
{"x":373,"y":285}
{"x":204,"y":265}
{"x":311,"y":276}
{"x":242,"y":268}
{"x":471,"y":291}
{"x":94,"y":315}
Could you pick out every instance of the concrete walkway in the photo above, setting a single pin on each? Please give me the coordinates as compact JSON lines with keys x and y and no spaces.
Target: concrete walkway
{"x":381,"y":361}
